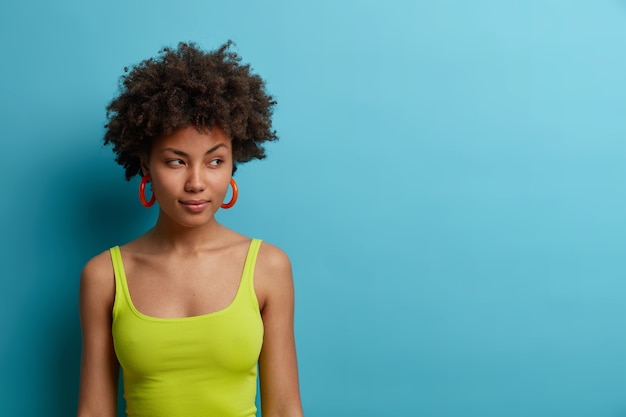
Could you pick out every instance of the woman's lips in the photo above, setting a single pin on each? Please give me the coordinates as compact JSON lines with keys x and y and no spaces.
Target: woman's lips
{"x":195,"y":205}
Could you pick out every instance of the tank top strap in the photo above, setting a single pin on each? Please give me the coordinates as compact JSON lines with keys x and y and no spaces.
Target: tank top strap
{"x":247,"y":277}
{"x":120,"y":277}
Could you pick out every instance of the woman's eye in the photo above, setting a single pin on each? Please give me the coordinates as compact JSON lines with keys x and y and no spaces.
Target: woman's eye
{"x":175,"y":162}
{"x":216,"y":162}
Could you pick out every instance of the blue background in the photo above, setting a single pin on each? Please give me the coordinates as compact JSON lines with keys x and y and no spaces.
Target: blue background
{"x":450,"y":185}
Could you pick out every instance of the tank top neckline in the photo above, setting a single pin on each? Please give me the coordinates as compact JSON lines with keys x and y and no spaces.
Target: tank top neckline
{"x":244,"y":280}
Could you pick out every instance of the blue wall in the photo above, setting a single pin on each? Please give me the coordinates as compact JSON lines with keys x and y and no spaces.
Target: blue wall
{"x":450,"y":184}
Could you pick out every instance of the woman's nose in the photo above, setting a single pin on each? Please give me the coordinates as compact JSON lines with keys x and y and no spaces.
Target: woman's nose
{"x":195,"y":181}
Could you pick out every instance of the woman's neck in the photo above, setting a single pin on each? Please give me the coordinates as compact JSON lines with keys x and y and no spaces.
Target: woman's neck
{"x":170,"y":236}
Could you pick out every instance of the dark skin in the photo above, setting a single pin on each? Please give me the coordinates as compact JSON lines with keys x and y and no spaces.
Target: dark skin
{"x":190,"y":171}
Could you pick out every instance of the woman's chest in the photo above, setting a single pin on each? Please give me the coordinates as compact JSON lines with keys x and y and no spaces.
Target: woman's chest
{"x":169,"y":289}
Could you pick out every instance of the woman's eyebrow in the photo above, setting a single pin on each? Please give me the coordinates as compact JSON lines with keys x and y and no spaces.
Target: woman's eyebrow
{"x":216,"y":147}
{"x":182,"y":153}
{"x":175,"y":151}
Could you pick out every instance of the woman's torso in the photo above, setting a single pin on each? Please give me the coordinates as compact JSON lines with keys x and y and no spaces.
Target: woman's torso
{"x":189,"y":339}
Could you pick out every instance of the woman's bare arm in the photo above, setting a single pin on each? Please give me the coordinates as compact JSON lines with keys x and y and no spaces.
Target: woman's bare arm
{"x":99,"y":366}
{"x":278,"y":368}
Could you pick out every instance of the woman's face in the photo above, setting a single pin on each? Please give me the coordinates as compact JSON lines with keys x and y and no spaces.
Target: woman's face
{"x":190,"y":172}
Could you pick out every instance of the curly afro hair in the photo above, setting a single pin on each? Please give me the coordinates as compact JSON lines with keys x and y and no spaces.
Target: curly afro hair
{"x":185,"y":87}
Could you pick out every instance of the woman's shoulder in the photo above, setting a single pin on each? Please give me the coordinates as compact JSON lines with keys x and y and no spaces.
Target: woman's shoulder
{"x":98,"y":270}
{"x":271,"y":256}
{"x":273,"y":265}
{"x":273,"y":281}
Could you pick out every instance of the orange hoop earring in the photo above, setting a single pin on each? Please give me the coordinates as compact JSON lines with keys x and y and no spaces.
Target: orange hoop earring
{"x":142,"y":192}
{"x":233,"y":198}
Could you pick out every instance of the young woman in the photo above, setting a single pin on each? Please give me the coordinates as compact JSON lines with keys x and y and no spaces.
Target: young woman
{"x":190,"y":309}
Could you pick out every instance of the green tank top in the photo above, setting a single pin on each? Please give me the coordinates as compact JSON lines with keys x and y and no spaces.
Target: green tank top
{"x":192,"y":366}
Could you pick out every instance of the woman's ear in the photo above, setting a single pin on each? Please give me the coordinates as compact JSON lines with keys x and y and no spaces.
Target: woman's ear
{"x":145,"y":167}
